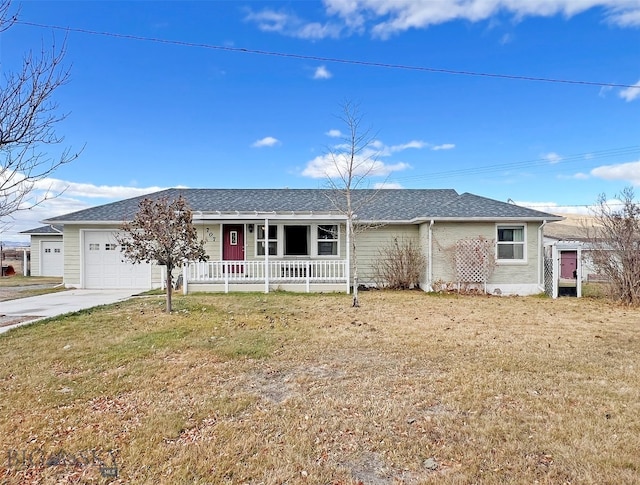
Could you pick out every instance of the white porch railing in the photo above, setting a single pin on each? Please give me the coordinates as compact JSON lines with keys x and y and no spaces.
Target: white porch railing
{"x":273,"y":271}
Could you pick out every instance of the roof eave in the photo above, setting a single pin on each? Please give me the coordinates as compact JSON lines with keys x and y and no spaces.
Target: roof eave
{"x":421,"y":220}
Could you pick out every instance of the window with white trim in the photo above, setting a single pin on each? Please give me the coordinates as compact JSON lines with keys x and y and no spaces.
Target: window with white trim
{"x":511,"y":242}
{"x":271,"y":240}
{"x":327,"y":240}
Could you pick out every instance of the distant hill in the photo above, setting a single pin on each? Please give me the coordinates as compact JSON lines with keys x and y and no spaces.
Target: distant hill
{"x":15,"y":244}
{"x":571,"y":228}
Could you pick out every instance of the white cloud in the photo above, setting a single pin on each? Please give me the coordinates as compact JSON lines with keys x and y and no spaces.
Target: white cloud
{"x":604,"y":90}
{"x":629,"y":94}
{"x":384,"y":18}
{"x":267,"y":141}
{"x":444,"y":146}
{"x":325,"y":166}
{"x":369,"y":161}
{"x":291,"y":25}
{"x":629,"y":172}
{"x":71,"y":197}
{"x":334,"y":133}
{"x":625,"y":17}
{"x":506,"y":39}
{"x":412,"y":144}
{"x":76,"y":189}
{"x":575,"y":176}
{"x":387,"y":185}
{"x":552,"y":157}
{"x":272,"y":21}
{"x":322,"y":73}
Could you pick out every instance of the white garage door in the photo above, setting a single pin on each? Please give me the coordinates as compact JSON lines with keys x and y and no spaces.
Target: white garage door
{"x":51,"y":258}
{"x":104,"y":266}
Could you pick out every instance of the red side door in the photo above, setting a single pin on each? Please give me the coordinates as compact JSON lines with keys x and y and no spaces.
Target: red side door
{"x":233,"y":245}
{"x":568,"y":264}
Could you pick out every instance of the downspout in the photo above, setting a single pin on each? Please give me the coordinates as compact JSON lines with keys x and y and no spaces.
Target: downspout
{"x":430,"y":257}
{"x":541,"y":256}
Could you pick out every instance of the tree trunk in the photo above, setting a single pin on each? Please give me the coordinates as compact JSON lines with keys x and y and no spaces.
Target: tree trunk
{"x":354,"y":258}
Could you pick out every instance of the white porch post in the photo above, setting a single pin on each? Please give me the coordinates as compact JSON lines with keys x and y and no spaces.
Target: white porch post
{"x":308,"y":275}
{"x":348,"y":267}
{"x":185,"y":278}
{"x":541,"y":255}
{"x":579,"y":272}
{"x":556,"y":270}
{"x":266,"y":255}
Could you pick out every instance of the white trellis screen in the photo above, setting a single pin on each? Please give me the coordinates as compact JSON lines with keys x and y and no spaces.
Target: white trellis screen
{"x":474,"y":260}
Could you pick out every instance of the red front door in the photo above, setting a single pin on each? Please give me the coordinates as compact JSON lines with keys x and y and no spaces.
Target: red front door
{"x":233,"y":245}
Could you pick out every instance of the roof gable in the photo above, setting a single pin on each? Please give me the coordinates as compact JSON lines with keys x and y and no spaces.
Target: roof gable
{"x":55,"y":230}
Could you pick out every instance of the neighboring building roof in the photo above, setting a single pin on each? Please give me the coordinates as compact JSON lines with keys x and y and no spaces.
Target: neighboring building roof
{"x":49,"y":230}
{"x":386,"y":205}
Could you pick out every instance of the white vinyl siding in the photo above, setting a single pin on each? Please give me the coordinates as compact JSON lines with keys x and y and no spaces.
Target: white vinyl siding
{"x":370,"y":241}
{"x":445,"y":235}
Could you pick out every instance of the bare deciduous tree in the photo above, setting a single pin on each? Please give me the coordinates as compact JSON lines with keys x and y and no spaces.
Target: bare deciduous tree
{"x":28,"y":118}
{"x":162,"y":232}
{"x":614,"y":239}
{"x":352,"y":162}
{"x":400,"y":264}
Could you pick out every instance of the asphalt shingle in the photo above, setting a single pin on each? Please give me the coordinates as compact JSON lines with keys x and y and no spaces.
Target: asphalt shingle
{"x":386,"y":205}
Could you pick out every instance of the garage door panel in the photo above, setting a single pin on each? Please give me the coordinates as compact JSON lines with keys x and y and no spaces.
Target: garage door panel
{"x":51,"y":259}
{"x":104,"y":266}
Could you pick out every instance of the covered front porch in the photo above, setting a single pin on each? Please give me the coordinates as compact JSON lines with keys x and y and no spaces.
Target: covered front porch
{"x":293,"y":251}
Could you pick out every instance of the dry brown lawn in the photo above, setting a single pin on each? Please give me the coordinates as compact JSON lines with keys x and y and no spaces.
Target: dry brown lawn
{"x":17,"y":286}
{"x":282,"y":388}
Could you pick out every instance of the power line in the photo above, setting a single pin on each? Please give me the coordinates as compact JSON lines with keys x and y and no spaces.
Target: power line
{"x":563,"y":161}
{"x":332,"y":59}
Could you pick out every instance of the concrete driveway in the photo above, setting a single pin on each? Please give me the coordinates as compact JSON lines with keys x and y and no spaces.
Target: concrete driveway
{"x":28,"y":310}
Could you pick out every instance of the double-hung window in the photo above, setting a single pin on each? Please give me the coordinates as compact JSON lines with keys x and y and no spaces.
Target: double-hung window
{"x":270,"y":240}
{"x":327,"y":240}
{"x":511,"y":242}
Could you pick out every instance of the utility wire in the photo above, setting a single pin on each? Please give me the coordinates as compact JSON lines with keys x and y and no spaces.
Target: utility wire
{"x":332,"y":59}
{"x":485,"y":169}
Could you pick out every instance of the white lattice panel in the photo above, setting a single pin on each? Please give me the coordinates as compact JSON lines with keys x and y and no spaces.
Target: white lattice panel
{"x":474,"y":260}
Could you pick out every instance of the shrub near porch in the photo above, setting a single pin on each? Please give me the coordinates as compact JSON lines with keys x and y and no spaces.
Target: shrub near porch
{"x":254,"y":388}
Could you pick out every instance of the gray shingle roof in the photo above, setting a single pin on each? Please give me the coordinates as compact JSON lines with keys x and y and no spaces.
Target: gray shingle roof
{"x":44,"y":230}
{"x":388,"y":205}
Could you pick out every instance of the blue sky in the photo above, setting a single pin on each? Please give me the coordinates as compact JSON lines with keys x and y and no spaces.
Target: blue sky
{"x":236,"y":94}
